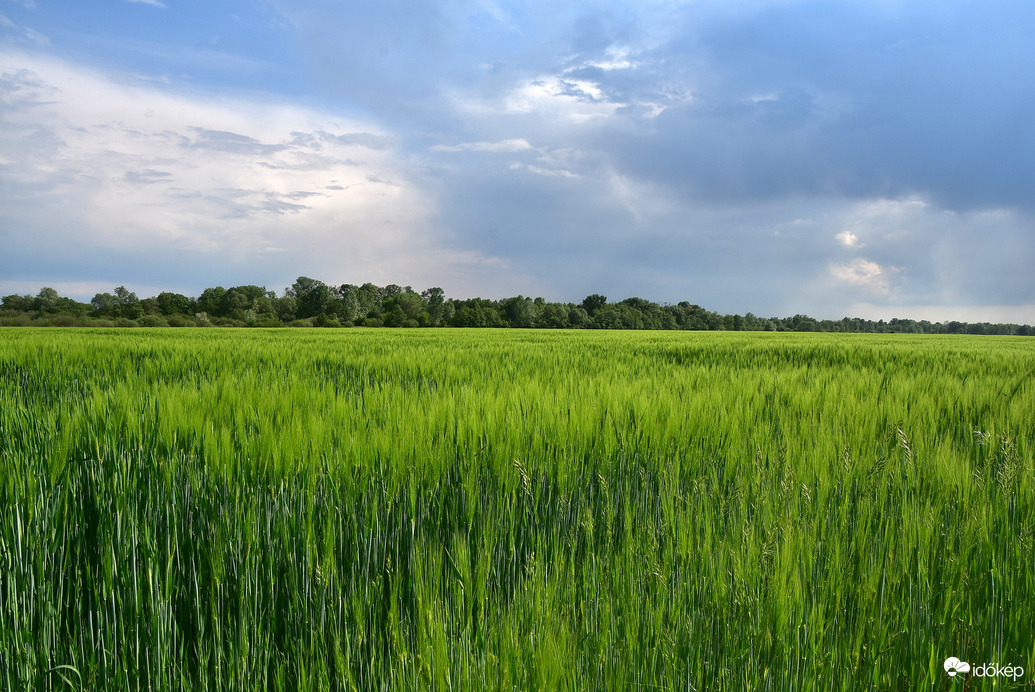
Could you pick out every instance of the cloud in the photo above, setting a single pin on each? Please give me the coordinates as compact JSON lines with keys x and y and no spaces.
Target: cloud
{"x":540,"y":170}
{"x":726,"y":102}
{"x":507,"y":146}
{"x":844,"y":98}
{"x":361,"y":139}
{"x":230,"y":142}
{"x":148,"y":177}
{"x":153,"y":3}
{"x":553,"y":97}
{"x":848,"y":238}
{"x":106,"y":181}
{"x":862,"y":272}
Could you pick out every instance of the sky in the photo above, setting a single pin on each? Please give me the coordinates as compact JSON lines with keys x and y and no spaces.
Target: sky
{"x":865,"y":158}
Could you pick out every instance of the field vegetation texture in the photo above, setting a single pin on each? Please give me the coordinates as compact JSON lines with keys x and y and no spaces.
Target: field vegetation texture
{"x":482,"y":509}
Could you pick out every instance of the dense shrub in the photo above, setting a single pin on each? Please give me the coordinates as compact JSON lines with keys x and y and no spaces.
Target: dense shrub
{"x":15,"y":319}
{"x":153,"y":321}
{"x":181,"y":321}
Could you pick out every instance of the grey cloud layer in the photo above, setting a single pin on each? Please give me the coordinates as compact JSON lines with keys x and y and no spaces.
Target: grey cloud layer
{"x":836,"y":98}
{"x":756,"y":100}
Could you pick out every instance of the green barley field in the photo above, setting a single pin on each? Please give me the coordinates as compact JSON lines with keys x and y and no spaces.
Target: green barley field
{"x":506,"y":509}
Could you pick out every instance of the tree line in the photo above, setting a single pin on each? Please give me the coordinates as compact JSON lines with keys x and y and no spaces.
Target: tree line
{"x":313,"y":303}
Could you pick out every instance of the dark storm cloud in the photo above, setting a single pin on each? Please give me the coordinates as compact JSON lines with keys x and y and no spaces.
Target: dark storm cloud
{"x":857,"y":99}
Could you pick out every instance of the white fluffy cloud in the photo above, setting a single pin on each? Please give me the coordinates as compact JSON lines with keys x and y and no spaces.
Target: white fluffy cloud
{"x":507,"y":146}
{"x":862,"y":272}
{"x":848,"y":238}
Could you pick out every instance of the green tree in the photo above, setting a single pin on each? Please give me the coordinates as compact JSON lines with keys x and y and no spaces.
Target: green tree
{"x":286,"y":308}
{"x":554,"y":316}
{"x":264,"y":307}
{"x":17,"y":303}
{"x":607,"y":317}
{"x":477,"y":312}
{"x":350,"y":309}
{"x":105,"y":305}
{"x":312,"y":296}
{"x":593,"y":302}
{"x":435,"y":300}
{"x":335,"y":306}
{"x":68,"y":305}
{"x":369,"y":297}
{"x":149,"y":306}
{"x":174,"y":304}
{"x":405,"y":310}
{"x":393,"y":314}
{"x":578,"y":317}
{"x":357,"y":301}
{"x":448,"y":313}
{"x":519,"y":312}
{"x":46,"y":300}
{"x":240,"y":299}
{"x":128,"y":303}
{"x":211,"y":301}
{"x":390,"y":291}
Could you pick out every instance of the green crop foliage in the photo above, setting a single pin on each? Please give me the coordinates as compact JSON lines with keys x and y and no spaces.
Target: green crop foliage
{"x":494,"y":509}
